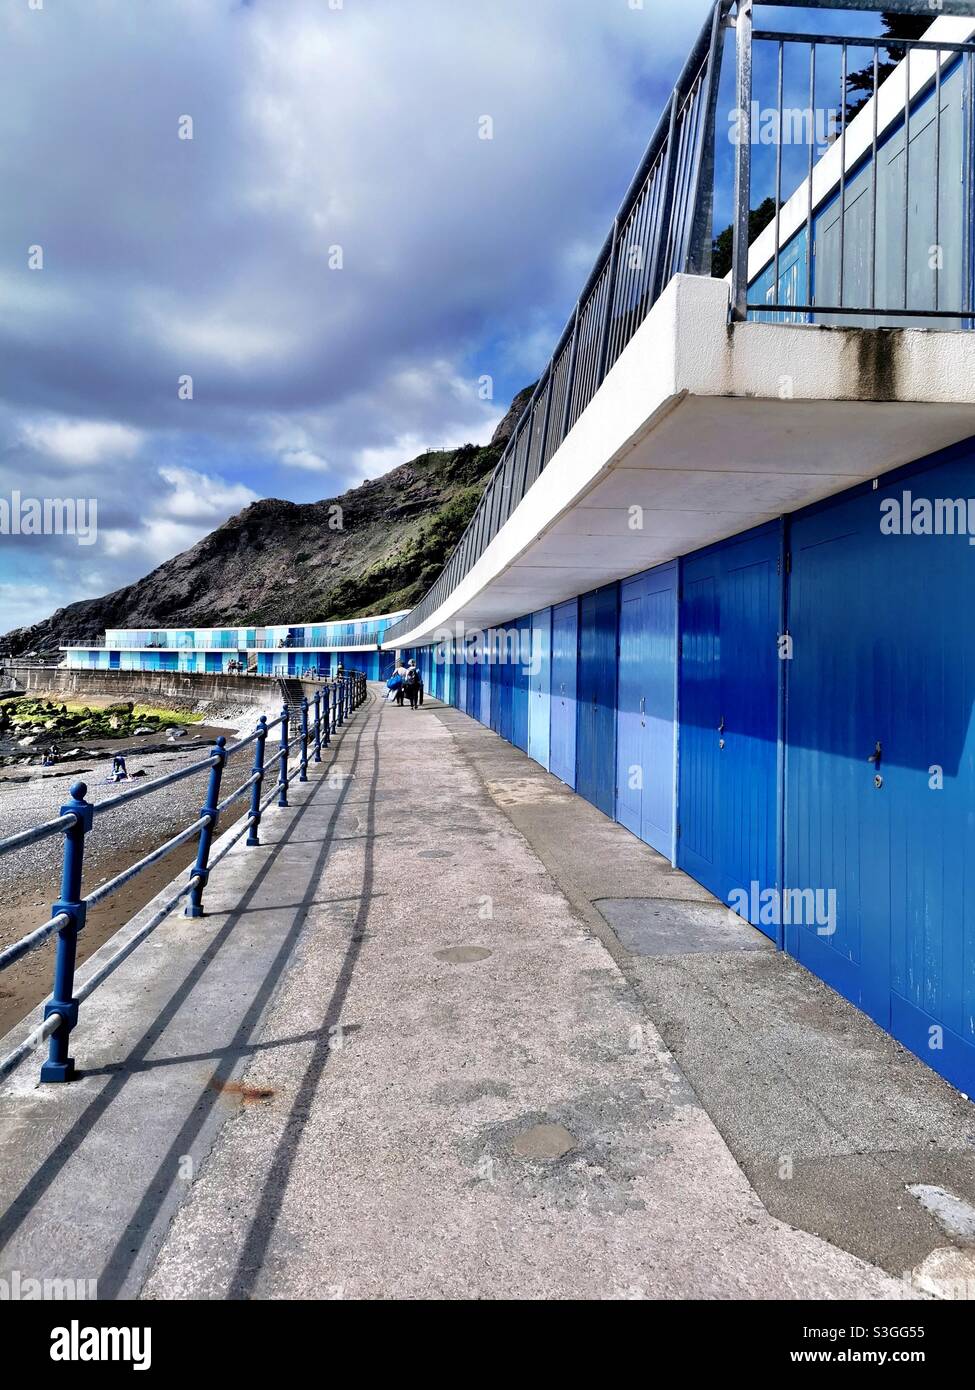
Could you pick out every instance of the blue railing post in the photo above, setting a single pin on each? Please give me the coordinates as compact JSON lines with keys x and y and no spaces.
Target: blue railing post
{"x":327,"y":711}
{"x":303,"y":776}
{"x":59,"y":1066}
{"x":258,"y":786}
{"x":200,"y":871}
{"x":283,"y":770}
{"x":340,"y":700}
{"x":318,"y":726}
{"x":334,"y":693}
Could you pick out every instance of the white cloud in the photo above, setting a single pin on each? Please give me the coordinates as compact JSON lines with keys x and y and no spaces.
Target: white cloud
{"x":115,"y":542}
{"x":198,"y":495}
{"x":82,"y":441}
{"x":305,"y":459}
{"x":164,"y":537}
{"x":174,"y":514}
{"x":226,"y":337}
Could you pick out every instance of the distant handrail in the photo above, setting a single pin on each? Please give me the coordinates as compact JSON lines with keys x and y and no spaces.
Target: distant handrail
{"x":332,"y":705}
{"x":344,"y":640}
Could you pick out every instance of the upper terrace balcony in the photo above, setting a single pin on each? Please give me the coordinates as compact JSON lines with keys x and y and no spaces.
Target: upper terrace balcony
{"x":337,"y":635}
{"x":842,"y":161}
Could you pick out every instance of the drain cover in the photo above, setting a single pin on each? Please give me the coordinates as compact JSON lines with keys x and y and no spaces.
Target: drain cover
{"x":662,"y":927}
{"x":462,"y":955}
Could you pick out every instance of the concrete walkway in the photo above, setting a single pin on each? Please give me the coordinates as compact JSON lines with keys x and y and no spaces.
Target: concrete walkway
{"x":393,"y":1062}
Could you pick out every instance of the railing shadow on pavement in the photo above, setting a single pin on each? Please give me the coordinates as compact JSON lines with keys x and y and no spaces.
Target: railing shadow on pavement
{"x":127,"y":1248}
{"x":331,"y":706}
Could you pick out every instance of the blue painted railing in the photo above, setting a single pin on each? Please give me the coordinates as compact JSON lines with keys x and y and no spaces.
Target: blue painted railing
{"x":317,"y":720}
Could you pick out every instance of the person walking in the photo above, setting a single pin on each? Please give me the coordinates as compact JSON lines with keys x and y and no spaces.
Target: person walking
{"x":401,"y":687}
{"x":411,"y":684}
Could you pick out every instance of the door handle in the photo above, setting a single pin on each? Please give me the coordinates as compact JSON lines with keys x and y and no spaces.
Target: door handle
{"x":721,"y":725}
{"x":876,"y":755}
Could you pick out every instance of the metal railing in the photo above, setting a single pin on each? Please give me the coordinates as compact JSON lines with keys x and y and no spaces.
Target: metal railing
{"x":664,"y":227}
{"x":336,"y":642}
{"x":331,"y":708}
{"x":851,"y":290}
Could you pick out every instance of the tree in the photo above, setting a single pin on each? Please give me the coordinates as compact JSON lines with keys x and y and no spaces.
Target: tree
{"x":859,"y":84}
{"x":721,"y":247}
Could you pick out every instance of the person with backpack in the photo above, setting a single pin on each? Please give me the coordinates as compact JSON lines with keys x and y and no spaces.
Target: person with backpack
{"x":412,"y":685}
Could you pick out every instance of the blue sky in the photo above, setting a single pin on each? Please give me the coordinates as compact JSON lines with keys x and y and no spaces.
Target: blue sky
{"x":316,"y":124}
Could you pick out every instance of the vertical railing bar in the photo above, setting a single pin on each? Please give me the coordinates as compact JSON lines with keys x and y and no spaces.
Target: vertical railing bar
{"x":937,"y":180}
{"x":59,"y":1066}
{"x":688,"y":117}
{"x":691,"y":166}
{"x":666,"y":201}
{"x":907,"y":169}
{"x":630,"y":277}
{"x":743,"y":159}
{"x":570,"y":377}
{"x":529,"y":442}
{"x":253,"y":837}
{"x":680,"y":130}
{"x":681,"y":240}
{"x":303,"y":775}
{"x":813,"y":152}
{"x":649,"y":236}
{"x":543,"y":445}
{"x":624,"y":275}
{"x":969,"y":196}
{"x":591,"y":319}
{"x":702,"y":203}
{"x":875,"y":179}
{"x":283,"y":763}
{"x":200,"y":873}
{"x":778,"y":168}
{"x":844,"y":63}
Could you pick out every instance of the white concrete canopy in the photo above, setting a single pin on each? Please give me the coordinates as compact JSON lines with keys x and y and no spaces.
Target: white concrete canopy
{"x":702,"y":429}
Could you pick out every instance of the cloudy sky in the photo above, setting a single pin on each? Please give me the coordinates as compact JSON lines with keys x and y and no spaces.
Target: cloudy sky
{"x":336,"y":256}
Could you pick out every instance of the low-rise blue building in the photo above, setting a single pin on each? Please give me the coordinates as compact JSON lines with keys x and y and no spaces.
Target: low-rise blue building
{"x":281,"y":649}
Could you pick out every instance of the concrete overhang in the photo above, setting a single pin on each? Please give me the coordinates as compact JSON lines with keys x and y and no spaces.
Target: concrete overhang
{"x":703,"y":429}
